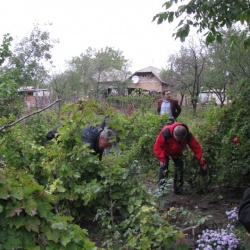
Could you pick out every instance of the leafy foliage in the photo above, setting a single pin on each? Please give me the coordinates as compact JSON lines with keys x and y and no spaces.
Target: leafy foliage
{"x":91,"y":73}
{"x":224,"y":136}
{"x":82,"y":187}
{"x":206,"y":16}
{"x":27,"y":60}
{"x":5,"y":48}
{"x":27,"y":219}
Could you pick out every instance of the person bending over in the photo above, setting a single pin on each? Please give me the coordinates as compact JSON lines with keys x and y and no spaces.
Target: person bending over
{"x":99,"y":139}
{"x":170,"y":143}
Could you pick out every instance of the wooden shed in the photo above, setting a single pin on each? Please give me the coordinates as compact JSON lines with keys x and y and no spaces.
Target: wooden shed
{"x":147,"y":80}
{"x":35,"y":98}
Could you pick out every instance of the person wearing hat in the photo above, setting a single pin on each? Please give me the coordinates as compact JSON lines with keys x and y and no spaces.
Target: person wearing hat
{"x":244,"y":210}
{"x":170,"y":143}
{"x":99,"y":139}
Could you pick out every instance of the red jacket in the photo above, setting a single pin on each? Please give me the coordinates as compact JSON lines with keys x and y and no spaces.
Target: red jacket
{"x":175,"y":107}
{"x":166,"y":145}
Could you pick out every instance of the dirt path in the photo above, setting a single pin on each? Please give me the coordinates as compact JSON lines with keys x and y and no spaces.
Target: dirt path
{"x":190,"y":207}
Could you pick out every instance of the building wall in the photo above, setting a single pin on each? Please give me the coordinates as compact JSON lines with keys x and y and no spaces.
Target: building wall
{"x":148,"y":82}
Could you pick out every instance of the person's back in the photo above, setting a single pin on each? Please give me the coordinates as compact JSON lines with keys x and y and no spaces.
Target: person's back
{"x":90,"y":134}
{"x":100,"y":139}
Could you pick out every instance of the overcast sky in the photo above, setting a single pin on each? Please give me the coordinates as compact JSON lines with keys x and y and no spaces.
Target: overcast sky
{"x":78,"y":24}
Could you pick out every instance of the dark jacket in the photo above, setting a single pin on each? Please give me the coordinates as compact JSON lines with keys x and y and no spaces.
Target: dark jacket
{"x":166,"y":146}
{"x":244,"y":210}
{"x":175,"y":107}
{"x":90,"y":134}
{"x":52,"y":133}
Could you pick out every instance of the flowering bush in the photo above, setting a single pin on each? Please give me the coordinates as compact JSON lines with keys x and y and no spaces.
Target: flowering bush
{"x":220,"y":239}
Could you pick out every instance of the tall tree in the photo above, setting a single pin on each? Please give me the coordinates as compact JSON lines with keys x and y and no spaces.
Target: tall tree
{"x":29,"y":57}
{"x":228,"y":69}
{"x":97,"y":66}
{"x":207,"y":16}
{"x":186,"y":70}
{"x":5,"y":51}
{"x":8,"y":88}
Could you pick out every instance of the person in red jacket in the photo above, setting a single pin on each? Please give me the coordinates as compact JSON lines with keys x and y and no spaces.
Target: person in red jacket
{"x":167,"y":105}
{"x":170,"y":143}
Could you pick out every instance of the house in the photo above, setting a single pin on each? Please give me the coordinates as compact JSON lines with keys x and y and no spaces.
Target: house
{"x":35,"y":98}
{"x":213,"y":95}
{"x":112,"y":81}
{"x":116,"y":82}
{"x":147,"y":80}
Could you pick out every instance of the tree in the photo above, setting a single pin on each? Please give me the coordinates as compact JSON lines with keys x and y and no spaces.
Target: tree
{"x":207,"y":16}
{"x":28,"y":59}
{"x":97,"y":66}
{"x":5,"y":48}
{"x":173,"y":78}
{"x":186,"y":70}
{"x":8,"y":88}
{"x":226,"y":67}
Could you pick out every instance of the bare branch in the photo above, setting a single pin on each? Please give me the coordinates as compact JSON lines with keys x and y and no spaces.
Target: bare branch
{"x":26,"y":116}
{"x":189,"y":228}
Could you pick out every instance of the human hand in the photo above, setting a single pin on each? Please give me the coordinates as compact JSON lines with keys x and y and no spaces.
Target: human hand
{"x":204,"y":167}
{"x":162,"y":164}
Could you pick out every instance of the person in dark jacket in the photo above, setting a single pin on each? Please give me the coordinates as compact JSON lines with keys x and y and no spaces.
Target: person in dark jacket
{"x":169,"y":106}
{"x":244,"y":210}
{"x":99,"y":139}
{"x":53,"y":133}
{"x":170,"y":143}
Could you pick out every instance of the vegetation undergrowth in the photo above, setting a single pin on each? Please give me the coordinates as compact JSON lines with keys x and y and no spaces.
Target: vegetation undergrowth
{"x":110,"y":193}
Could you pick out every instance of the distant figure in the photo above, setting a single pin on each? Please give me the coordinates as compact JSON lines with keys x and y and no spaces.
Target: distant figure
{"x":100,"y":140}
{"x":244,"y":210}
{"x":130,"y":109}
{"x":168,"y":106}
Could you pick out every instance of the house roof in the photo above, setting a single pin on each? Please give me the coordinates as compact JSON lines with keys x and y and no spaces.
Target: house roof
{"x":150,"y":69}
{"x":30,"y":89}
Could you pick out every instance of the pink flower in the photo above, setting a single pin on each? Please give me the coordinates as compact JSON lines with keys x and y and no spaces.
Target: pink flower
{"x":213,"y":127}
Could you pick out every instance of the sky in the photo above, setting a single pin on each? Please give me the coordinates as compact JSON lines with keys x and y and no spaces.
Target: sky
{"x":124,"y":25}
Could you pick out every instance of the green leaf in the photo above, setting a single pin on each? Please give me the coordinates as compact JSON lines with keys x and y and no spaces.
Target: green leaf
{"x":17,"y":193}
{"x":32,"y":224}
{"x":30,"y":207}
{"x":16,"y":222}
{"x":3,"y":193}
{"x":53,"y":235}
{"x":59,"y":225}
{"x":44,"y":209}
{"x":65,"y":239}
{"x":171,"y":17}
